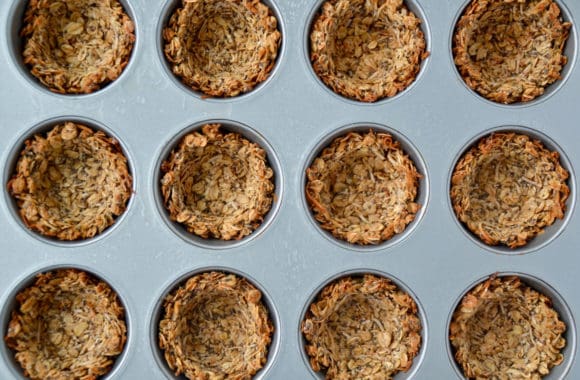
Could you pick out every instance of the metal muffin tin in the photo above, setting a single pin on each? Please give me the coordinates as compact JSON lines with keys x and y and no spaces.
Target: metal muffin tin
{"x":143,"y":256}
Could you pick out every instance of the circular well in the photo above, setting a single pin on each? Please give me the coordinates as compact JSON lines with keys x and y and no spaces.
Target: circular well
{"x":157,"y":313}
{"x":271,"y":159}
{"x":41,"y":129}
{"x":550,"y":232}
{"x":422,"y":191}
{"x":16,"y":44}
{"x":417,"y":361}
{"x":558,"y":303}
{"x":10,"y":304}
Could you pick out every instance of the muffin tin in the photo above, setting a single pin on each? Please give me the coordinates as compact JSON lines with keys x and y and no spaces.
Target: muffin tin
{"x":293,"y":115}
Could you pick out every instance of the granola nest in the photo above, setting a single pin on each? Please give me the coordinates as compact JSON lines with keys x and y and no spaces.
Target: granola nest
{"x":72,"y":183}
{"x":362,"y":327}
{"x":508,"y":188}
{"x":362,"y":188}
{"x":215,"y":327}
{"x":222,"y":47}
{"x":217,"y":185}
{"x":505,"y":330}
{"x":76,"y":46}
{"x":366,"y":50}
{"x":510,"y":50}
{"x":67,"y":325}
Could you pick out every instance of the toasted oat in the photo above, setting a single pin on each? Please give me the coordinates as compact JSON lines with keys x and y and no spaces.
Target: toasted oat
{"x":67,"y":325}
{"x":222,"y":47}
{"x":505,"y":330}
{"x":217,"y":185}
{"x":366,"y":50}
{"x":510,"y":50}
{"x":76,"y":46}
{"x":362,"y":188}
{"x":215,"y":327}
{"x":507,"y":188}
{"x":362,"y":328}
{"x":72,"y":183}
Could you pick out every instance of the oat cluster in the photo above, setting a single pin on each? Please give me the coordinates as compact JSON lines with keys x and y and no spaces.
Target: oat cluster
{"x":508,"y":188}
{"x":76,"y":46}
{"x":67,"y":325}
{"x":215,"y":327}
{"x":505,"y":330}
{"x":362,"y":328}
{"x":366,"y":50}
{"x":222,"y":47}
{"x":217,"y":185}
{"x":71,"y":183}
{"x":510,"y":50}
{"x":362,"y":188}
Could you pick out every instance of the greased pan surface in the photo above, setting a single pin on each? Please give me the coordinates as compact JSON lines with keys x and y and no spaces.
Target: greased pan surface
{"x":290,"y":259}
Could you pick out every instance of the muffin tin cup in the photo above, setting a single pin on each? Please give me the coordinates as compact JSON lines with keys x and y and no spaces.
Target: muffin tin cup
{"x":41,"y":129}
{"x":9,"y":304}
{"x":558,"y":372}
{"x":158,"y":311}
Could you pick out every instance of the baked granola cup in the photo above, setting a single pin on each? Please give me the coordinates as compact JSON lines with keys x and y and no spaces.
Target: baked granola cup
{"x":365,"y":52}
{"x":337,"y":334}
{"x":486,"y":202}
{"x":326,"y":199}
{"x":71,"y":47}
{"x":68,"y":181}
{"x":64,"y":322}
{"x":509,"y":308}
{"x":221,"y":48}
{"x":535,"y":42}
{"x":215,"y":323}
{"x":224,"y":221}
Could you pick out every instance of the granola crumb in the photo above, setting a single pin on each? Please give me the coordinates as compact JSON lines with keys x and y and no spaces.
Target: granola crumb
{"x":215,"y":327}
{"x":217,"y":185}
{"x":367,"y":50}
{"x":362,"y":188}
{"x":504,"y":329}
{"x":510,"y":51}
{"x":76,"y":46}
{"x":508,"y":188}
{"x":362,"y":327}
{"x":66,"y":325}
{"x":71,"y":183}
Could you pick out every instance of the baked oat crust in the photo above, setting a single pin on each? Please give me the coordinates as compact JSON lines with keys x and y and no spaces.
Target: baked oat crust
{"x":72,"y":183}
{"x":362,"y":327}
{"x":68,"y":325}
{"x":217,"y":185}
{"x":215,"y":327}
{"x":510,"y":50}
{"x":222,"y":47}
{"x":508,"y":188}
{"x":505,"y":330}
{"x":76,"y":46}
{"x":366,"y":50}
{"x":362,"y":188}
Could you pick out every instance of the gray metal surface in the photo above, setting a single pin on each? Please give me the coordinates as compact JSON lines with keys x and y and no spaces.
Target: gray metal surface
{"x":142,"y":257}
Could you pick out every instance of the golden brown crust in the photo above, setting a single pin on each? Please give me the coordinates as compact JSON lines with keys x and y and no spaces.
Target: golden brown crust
{"x":362,"y":327}
{"x":510,"y":50}
{"x":217,"y":185}
{"x":215,"y":327}
{"x":76,"y":46}
{"x":508,"y":188}
{"x":362,"y":188}
{"x":366,"y":50}
{"x":505,"y":330}
{"x":72,"y":183}
{"x":222,"y":47}
{"x":67,"y":325}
